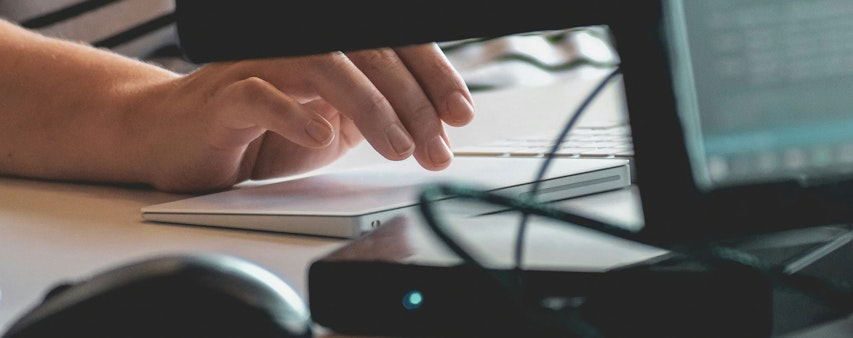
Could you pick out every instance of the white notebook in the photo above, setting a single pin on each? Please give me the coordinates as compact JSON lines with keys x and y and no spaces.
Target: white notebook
{"x":350,"y":203}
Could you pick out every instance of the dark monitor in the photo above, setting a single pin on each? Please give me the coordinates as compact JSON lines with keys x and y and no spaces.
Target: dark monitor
{"x":216,"y":30}
{"x":740,"y":111}
{"x":741,"y":114}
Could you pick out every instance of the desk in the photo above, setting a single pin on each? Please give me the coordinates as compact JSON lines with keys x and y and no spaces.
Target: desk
{"x":52,"y":232}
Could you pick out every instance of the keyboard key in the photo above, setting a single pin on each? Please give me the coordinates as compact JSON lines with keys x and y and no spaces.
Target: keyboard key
{"x":592,"y":142}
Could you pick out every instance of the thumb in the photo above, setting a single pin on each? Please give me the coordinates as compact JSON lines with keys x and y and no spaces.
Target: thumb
{"x":255,"y":106}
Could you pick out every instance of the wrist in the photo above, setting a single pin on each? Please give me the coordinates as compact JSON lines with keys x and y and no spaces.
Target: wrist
{"x":146,"y":112}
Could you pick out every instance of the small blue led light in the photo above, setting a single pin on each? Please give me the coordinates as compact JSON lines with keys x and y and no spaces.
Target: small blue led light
{"x":413,"y":300}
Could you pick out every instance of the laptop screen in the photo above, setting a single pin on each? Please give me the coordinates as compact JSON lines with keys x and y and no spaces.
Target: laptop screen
{"x":764,"y":88}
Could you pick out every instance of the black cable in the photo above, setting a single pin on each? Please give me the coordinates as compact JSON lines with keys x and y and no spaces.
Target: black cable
{"x":514,"y":286}
{"x":432,"y":193}
{"x":837,"y":295}
{"x":549,"y":157}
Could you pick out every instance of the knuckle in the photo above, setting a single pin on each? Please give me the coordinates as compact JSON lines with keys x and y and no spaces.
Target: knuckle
{"x":377,"y":59}
{"x":253,"y":88}
{"x":424,"y":110}
{"x":331,"y":62}
{"x":421,"y":119}
{"x":324,"y":68}
{"x":373,"y":102}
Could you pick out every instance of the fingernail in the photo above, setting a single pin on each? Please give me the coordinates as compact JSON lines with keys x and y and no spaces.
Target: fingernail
{"x":439,"y":152}
{"x":320,"y":131}
{"x":459,"y":108}
{"x":399,"y":139}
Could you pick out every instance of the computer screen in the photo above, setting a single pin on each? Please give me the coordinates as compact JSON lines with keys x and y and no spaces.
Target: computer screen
{"x":740,"y":114}
{"x":764,"y":88}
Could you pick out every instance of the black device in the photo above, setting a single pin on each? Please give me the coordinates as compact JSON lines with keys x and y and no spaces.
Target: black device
{"x":401,"y":281}
{"x":192,"y":295}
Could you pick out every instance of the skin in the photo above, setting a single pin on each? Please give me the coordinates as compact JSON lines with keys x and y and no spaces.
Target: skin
{"x":72,"y":112}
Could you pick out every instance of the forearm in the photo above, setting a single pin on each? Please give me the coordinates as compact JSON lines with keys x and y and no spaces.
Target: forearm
{"x":72,"y":112}
{"x":65,"y":109}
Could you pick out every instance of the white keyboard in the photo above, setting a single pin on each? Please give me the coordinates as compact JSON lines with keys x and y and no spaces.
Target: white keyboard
{"x":582,"y":142}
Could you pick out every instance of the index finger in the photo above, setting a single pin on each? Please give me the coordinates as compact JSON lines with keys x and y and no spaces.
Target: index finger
{"x":440,"y":81}
{"x":346,"y":88}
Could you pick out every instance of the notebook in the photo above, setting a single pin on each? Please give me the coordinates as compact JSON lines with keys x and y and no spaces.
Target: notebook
{"x":348,"y":203}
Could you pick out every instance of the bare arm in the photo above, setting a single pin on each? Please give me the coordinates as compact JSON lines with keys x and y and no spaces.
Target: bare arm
{"x":72,"y":112}
{"x":61,"y":109}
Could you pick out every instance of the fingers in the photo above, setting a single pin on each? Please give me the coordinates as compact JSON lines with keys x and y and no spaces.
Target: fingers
{"x":279,"y":157}
{"x":253,"y":106}
{"x":411,"y":104}
{"x":442,"y":84}
{"x":398,"y":98}
{"x":347,"y":133}
{"x":339,"y":82}
{"x":422,"y":90}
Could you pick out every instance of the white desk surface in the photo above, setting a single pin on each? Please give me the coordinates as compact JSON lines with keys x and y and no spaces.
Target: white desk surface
{"x":52,"y":232}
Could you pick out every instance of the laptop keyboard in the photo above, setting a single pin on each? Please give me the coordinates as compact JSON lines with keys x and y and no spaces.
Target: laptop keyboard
{"x":581,"y":142}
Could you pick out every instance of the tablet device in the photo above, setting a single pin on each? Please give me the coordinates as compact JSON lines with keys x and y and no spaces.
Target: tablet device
{"x":349,"y":203}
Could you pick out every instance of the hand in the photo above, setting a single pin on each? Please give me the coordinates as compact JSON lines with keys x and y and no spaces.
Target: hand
{"x":257,"y":119}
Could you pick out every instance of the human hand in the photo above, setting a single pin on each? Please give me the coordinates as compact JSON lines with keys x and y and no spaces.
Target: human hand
{"x":257,"y":119}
